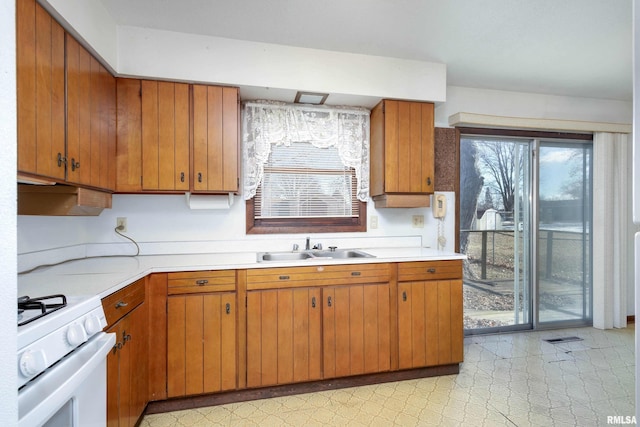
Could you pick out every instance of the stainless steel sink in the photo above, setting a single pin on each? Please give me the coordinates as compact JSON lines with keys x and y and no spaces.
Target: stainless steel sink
{"x":342,"y":254}
{"x":311,"y":255}
{"x":283,"y":256}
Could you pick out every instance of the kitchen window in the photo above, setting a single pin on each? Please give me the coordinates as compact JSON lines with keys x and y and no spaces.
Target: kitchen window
{"x":306,"y":168}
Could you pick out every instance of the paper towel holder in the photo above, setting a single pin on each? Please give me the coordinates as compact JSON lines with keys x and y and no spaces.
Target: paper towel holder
{"x":209,"y":201}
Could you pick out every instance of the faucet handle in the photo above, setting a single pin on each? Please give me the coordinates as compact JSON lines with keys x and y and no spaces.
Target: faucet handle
{"x":333,"y":248}
{"x":295,"y":247}
{"x":318,"y":246}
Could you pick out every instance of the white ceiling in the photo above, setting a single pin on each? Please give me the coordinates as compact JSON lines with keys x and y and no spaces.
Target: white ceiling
{"x":564,"y":47}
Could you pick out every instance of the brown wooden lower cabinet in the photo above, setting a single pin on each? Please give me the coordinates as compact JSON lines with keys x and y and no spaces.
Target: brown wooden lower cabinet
{"x":127,"y":364}
{"x":312,"y":333}
{"x":430,"y":326}
{"x":201,"y":343}
{"x":250,"y":331}
{"x":356,"y":330}
{"x":283,"y":336}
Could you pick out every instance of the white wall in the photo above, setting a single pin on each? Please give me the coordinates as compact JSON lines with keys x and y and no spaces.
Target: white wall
{"x":192,"y":57}
{"x":529,"y":105}
{"x":8,"y":287}
{"x":158,"y":220}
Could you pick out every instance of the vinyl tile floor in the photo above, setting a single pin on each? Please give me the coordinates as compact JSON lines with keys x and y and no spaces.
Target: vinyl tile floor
{"x":506,"y":380}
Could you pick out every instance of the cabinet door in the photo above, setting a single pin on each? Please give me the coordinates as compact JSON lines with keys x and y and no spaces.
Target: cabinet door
{"x":165,"y":136}
{"x":283,"y":336}
{"x":430,"y":328}
{"x":40,"y":91}
{"x":355,"y":330}
{"x":113,"y":378}
{"x":408,"y":147}
{"x":138,"y":346}
{"x":91,"y":119}
{"x":201,"y":344}
{"x":215,"y":139}
{"x":127,"y":369}
{"x":129,"y":135}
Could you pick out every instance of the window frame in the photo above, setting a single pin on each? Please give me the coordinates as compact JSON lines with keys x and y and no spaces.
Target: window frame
{"x":305,"y":225}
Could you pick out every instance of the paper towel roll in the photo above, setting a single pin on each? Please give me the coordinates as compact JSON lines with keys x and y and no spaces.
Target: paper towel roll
{"x":209,"y":201}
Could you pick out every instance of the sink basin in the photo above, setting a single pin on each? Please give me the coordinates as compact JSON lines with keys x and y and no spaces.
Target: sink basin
{"x":311,"y":255}
{"x":341,"y":254}
{"x":283,"y":256}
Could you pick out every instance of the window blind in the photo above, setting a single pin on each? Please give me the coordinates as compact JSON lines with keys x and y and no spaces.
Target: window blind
{"x":304,"y":181}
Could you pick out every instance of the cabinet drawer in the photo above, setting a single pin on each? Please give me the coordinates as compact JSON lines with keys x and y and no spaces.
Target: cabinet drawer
{"x":321,"y":275}
{"x":429,"y":270}
{"x":119,"y":303}
{"x":201,"y":281}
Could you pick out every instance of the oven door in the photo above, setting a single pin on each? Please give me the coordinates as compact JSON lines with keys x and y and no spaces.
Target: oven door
{"x":73,"y":391}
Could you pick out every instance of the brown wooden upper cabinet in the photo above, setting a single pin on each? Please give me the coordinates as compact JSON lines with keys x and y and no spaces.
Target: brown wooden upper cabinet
{"x":153,"y":136}
{"x":40,"y":91}
{"x":402,"y":153}
{"x":175,"y":137}
{"x":91,"y":119}
{"x":215,"y":139}
{"x":165,"y":136}
{"x":85,"y":153}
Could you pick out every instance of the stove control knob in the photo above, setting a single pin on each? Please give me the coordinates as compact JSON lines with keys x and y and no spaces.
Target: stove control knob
{"x":92,"y":324}
{"x":32,"y":362}
{"x":76,"y":334}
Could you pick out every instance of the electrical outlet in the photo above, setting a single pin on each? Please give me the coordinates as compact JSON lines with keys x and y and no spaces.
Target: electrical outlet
{"x":373,"y":221}
{"x":417,"y":221}
{"x":121,"y":224}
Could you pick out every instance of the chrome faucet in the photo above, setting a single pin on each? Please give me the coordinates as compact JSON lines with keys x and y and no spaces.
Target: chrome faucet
{"x":307,"y":246}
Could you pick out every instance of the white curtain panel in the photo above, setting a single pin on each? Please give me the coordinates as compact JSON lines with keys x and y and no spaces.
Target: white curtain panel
{"x":611,"y":233}
{"x":268,"y":122}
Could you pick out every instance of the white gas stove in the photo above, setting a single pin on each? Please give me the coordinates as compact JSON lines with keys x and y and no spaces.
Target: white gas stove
{"x":62,"y":361}
{"x":51,"y":327}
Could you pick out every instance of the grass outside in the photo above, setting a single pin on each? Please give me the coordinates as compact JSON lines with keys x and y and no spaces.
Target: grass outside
{"x":489,"y":300}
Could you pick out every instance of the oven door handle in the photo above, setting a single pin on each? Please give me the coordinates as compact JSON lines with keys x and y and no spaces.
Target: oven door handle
{"x":58,"y":383}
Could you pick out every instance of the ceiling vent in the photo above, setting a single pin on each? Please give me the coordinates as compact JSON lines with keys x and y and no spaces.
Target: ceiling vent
{"x":313,"y":98}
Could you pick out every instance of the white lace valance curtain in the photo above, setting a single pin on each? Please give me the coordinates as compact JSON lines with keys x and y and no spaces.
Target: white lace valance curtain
{"x":266,"y":123}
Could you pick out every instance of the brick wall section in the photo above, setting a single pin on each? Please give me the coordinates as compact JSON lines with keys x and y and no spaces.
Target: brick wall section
{"x":446,"y":159}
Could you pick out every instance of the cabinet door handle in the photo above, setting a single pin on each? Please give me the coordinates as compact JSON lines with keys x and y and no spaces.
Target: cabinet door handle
{"x":355,"y":273}
{"x":181,"y":176}
{"x":202,"y":282}
{"x":431,"y":270}
{"x":121,"y":304}
{"x":313,"y":302}
{"x":404,"y":295}
{"x":329,"y":301}
{"x":227,"y":308}
{"x":199,"y":176}
{"x":428,"y":180}
{"x":283,"y":277}
{"x":61,"y":160}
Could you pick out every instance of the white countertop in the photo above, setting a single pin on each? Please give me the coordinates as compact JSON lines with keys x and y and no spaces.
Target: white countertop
{"x":102,"y":276}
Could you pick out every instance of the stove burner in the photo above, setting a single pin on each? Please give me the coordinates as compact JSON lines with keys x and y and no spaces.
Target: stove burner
{"x":41,"y":304}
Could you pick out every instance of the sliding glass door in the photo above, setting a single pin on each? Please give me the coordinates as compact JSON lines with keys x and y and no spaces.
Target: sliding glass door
{"x":564,"y":234}
{"x":495,"y":233}
{"x":525,"y":207}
